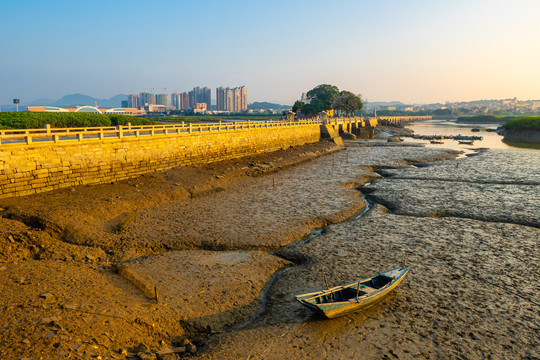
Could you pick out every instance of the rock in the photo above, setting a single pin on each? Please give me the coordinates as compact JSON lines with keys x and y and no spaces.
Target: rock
{"x":46,"y":296}
{"x":26,"y":341}
{"x":53,"y":320}
{"x":49,"y":335}
{"x":90,"y":257}
{"x":76,"y":347}
{"x":146,"y":356}
{"x":348,"y":136}
{"x":191,"y":348}
{"x":141,"y":348}
{"x":394,"y":139}
{"x":62,"y":353}
{"x":123,"y":352}
{"x":91,"y":351}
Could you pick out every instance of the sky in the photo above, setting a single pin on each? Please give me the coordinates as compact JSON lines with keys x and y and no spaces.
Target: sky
{"x":386,"y":50}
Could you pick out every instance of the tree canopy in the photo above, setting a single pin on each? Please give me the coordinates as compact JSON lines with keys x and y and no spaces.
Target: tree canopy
{"x":325,"y":97}
{"x":325,"y":93}
{"x":348,"y":102}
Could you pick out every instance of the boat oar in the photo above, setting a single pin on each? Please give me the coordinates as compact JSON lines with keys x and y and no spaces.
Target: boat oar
{"x":357,"y":291}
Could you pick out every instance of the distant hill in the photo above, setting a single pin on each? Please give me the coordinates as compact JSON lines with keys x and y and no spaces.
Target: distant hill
{"x":384,"y":103}
{"x":80,"y":99}
{"x":74,"y":100}
{"x":69,"y":101}
{"x":267,"y":105}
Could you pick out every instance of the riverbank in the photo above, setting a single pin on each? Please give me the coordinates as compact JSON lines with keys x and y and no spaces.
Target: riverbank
{"x":522,"y":136}
{"x":207,"y":241}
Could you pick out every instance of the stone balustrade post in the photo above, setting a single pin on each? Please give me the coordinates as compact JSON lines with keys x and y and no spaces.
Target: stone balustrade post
{"x":119,"y":129}
{"x":47,"y":128}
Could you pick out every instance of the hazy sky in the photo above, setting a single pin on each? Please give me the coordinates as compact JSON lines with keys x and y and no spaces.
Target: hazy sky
{"x":413,"y":51}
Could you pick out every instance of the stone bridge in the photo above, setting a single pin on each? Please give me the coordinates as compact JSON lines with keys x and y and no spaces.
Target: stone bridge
{"x":38,"y":160}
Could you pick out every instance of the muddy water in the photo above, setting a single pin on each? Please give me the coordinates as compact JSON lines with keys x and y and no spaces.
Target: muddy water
{"x":468,"y":231}
{"x":495,"y":185}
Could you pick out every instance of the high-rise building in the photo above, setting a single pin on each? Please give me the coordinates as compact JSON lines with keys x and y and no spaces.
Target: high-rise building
{"x":231,"y":100}
{"x":146,"y":99}
{"x":221,"y":98}
{"x":200,"y":95}
{"x":243,"y":98}
{"x":186,"y":104}
{"x":237,"y":99}
{"x":176,"y":101}
{"x":162,"y":99}
{"x":133,"y":101}
{"x":124,"y":104}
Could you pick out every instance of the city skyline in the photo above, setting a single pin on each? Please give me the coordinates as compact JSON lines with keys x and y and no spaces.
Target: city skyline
{"x":415,"y":52}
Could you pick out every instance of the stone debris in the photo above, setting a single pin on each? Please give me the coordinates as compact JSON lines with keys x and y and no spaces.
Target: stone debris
{"x":47,"y":296}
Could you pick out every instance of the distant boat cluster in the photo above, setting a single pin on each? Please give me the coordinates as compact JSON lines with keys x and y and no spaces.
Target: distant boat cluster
{"x":438,"y":139}
{"x":443,"y":137}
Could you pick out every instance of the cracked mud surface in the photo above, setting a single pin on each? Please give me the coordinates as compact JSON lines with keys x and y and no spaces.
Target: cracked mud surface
{"x":209,"y":239}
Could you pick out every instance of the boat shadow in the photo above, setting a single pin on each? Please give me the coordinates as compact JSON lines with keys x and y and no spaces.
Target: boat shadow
{"x":288,"y":314}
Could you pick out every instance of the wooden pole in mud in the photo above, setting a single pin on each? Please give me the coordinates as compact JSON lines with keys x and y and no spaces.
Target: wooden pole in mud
{"x":155,"y":294}
{"x":326,"y":282}
{"x":273,"y":182}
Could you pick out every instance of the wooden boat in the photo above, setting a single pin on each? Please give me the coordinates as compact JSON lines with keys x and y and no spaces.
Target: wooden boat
{"x":436,"y":142}
{"x":461,"y":137}
{"x":341,"y":300}
{"x":464,"y":142}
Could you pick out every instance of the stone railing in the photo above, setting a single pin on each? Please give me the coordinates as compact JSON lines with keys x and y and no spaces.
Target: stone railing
{"x":49,"y":134}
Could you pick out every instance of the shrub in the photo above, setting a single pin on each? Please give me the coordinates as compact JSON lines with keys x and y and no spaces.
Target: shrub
{"x":523,"y":123}
{"x":35,"y":120}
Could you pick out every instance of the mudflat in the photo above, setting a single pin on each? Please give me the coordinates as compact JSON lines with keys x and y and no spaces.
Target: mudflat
{"x":206,"y":260}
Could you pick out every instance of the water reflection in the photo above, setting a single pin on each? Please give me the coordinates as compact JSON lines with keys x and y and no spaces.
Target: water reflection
{"x":448,"y":127}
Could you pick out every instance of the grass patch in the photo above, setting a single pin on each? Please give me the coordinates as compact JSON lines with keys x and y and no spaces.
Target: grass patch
{"x":523,"y":123}
{"x":37,"y":120}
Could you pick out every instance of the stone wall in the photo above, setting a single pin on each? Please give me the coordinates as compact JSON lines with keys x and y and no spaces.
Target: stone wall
{"x":37,"y":167}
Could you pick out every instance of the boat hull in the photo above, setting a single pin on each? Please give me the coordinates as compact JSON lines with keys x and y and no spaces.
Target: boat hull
{"x":335,"y":309}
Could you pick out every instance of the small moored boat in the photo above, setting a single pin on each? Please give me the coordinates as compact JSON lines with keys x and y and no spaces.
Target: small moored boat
{"x":341,"y":300}
{"x":465,"y":142}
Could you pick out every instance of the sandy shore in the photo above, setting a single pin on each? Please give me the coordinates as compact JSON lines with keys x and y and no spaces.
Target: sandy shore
{"x":80,"y":269}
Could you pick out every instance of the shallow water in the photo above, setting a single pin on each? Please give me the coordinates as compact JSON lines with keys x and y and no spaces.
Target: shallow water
{"x":444,"y":127}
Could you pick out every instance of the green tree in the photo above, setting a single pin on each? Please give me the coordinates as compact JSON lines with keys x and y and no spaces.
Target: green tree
{"x":297,"y":106}
{"x":442,"y":112}
{"x":324,"y":93}
{"x":348,"y":102}
{"x":314,"y":107}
